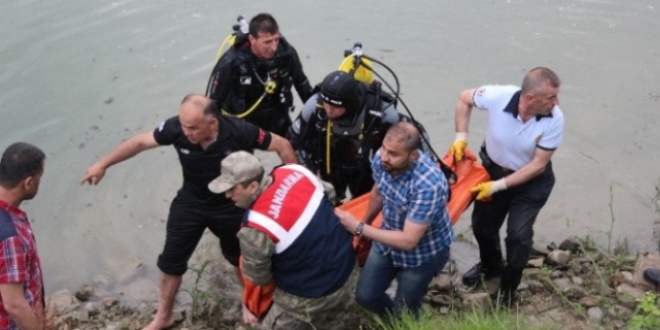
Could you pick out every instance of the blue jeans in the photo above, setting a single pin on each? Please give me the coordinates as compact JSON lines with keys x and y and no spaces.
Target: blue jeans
{"x":413,"y":283}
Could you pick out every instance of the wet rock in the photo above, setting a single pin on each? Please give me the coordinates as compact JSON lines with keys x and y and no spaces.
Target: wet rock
{"x":589,"y":301}
{"x":84,"y":293}
{"x":628,"y":277}
{"x":442,"y":282}
{"x":441,"y":300}
{"x":595,"y":314}
{"x":533,"y":273}
{"x":557,"y":274}
{"x":606,"y":291}
{"x":617,"y":279}
{"x":585,"y":268}
{"x":562,"y":283}
{"x":577,"y":280}
{"x":536,"y":263}
{"x":558,"y":258}
{"x":536,"y":286}
{"x":628,"y":290}
{"x":83,"y":316}
{"x":477,"y":301}
{"x":571,"y":245}
{"x":574,"y":292}
{"x":618,"y":324}
{"x":619,"y":312}
{"x":566,"y":286}
{"x":61,"y":302}
{"x":110,"y":301}
{"x":92,"y":308}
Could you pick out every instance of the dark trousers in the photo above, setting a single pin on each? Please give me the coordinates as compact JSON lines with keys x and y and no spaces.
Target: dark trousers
{"x":522,"y":204}
{"x":186,"y":224}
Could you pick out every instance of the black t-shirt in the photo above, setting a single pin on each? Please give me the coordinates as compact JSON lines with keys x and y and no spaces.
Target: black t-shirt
{"x":202,"y":166}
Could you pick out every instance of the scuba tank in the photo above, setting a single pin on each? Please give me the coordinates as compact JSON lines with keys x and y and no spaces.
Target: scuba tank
{"x":361,"y":67}
{"x":238,"y":36}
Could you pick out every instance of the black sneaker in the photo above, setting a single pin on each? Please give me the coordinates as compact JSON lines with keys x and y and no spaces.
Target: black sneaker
{"x":477,"y":272}
{"x":653,"y":276}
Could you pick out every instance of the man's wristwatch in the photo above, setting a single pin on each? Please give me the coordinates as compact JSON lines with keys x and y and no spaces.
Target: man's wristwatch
{"x":358,"y":229}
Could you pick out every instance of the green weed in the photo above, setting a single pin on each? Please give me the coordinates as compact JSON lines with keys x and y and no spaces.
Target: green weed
{"x":647,"y":314}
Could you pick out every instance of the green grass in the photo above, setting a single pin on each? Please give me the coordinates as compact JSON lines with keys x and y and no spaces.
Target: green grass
{"x":468,"y":320}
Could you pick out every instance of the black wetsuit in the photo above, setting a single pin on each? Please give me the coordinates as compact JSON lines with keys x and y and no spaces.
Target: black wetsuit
{"x":239,"y":79}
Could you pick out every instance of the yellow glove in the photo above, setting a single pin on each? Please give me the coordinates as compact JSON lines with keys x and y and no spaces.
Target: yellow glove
{"x":457,"y":149}
{"x":486,"y":189}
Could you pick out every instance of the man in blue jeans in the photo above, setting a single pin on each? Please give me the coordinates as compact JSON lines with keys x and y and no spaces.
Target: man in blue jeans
{"x":413,"y":242}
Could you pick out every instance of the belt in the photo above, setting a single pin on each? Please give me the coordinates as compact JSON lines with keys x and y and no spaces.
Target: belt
{"x":503,"y":169}
{"x":487,"y":162}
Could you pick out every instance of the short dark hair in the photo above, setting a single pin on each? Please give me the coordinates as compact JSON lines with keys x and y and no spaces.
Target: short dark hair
{"x":265,"y":23}
{"x":19,"y":161}
{"x":407,"y":133}
{"x":537,"y":77}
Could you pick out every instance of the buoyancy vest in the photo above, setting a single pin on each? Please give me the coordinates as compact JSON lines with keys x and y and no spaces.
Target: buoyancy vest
{"x":254,"y":77}
{"x":354,"y":138}
{"x":313,"y":253}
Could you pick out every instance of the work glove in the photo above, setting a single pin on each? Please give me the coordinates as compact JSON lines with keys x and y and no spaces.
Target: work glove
{"x":460,"y":143}
{"x":486,"y":189}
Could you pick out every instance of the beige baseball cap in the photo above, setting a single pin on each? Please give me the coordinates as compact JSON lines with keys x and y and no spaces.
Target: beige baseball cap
{"x":238,"y":167}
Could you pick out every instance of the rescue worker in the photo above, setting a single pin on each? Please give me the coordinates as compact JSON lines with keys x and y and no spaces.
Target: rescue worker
{"x":253,"y":79}
{"x":340,"y":129}
{"x":291,"y":235}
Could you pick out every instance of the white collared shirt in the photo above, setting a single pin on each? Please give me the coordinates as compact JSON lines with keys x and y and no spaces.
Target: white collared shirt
{"x":510,"y":142}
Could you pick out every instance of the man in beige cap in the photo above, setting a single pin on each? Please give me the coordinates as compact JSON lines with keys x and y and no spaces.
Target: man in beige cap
{"x":290,"y":234}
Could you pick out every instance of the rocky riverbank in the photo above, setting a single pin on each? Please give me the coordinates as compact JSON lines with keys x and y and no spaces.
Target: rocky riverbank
{"x":570,"y":286}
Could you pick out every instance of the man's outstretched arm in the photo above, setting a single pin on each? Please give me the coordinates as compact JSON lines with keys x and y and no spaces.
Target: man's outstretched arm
{"x":122,"y":152}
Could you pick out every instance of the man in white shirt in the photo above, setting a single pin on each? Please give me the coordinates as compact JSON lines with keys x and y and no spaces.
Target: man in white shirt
{"x":525,"y":127}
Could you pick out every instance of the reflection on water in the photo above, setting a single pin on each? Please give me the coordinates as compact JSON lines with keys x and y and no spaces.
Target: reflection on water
{"x":77,"y":77}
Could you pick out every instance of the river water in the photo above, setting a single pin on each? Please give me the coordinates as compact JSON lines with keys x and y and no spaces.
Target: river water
{"x":79,"y":76}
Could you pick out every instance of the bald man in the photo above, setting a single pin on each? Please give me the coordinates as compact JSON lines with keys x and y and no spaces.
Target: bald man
{"x":202,"y":138}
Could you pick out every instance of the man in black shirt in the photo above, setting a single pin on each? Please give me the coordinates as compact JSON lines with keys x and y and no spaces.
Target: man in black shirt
{"x":253,"y":79}
{"x":202,"y":138}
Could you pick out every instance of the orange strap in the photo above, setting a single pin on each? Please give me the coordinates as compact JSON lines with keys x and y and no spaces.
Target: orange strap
{"x":258,"y":299}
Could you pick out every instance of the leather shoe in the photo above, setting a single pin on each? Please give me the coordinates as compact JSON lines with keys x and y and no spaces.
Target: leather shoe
{"x":653,"y":276}
{"x":478,"y":272}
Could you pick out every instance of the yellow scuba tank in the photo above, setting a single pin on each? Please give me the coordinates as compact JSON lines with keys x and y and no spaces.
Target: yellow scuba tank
{"x":355,"y":64}
{"x":241,"y":29}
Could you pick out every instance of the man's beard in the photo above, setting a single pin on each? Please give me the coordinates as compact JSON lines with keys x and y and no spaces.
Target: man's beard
{"x":395,"y":170}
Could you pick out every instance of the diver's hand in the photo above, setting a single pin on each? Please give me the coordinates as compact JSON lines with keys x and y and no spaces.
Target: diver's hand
{"x":486,"y":189}
{"x":458,"y":148}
